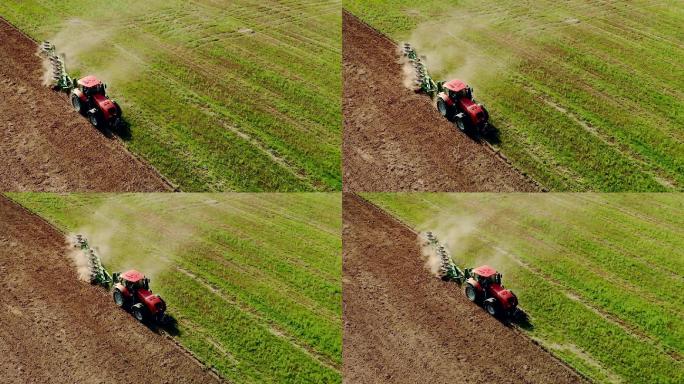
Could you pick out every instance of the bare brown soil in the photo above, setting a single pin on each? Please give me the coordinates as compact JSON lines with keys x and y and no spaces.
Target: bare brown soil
{"x":57,"y":329}
{"x":47,"y":146}
{"x":395,"y":140}
{"x":403,"y":325}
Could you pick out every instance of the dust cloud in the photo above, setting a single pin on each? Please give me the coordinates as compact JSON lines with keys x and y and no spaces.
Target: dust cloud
{"x":79,"y":258}
{"x":127,"y":237}
{"x":429,"y":254}
{"x":450,"y":50}
{"x":98,"y":44}
{"x":462,"y":236}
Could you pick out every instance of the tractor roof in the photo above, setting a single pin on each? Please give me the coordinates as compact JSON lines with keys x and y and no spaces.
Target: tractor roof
{"x":89,"y":81}
{"x":455,"y":85}
{"x":485,"y":271}
{"x":133,"y":276}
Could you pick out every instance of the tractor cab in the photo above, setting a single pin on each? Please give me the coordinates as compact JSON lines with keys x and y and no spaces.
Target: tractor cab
{"x":91,"y":86}
{"x":134,"y":280}
{"x":487,"y":275}
{"x":457,"y":89}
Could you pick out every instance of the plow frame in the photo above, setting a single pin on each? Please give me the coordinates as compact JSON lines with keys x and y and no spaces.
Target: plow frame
{"x":59,"y":78}
{"x":98,"y":273}
{"x":424,"y":81}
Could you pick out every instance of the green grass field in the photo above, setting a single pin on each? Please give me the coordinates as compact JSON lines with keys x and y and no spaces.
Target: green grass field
{"x":599,"y":275}
{"x":220,"y":96}
{"x":587,"y":95}
{"x":254,"y":280}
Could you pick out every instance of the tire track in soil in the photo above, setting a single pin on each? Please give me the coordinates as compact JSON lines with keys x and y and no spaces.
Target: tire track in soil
{"x":55,"y":328}
{"x":45,"y":145}
{"x":394,"y":140}
{"x":405,"y":326}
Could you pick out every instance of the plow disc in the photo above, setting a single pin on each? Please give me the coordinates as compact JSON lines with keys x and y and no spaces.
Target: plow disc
{"x":98,"y":274}
{"x":423,"y":81}
{"x":448,"y":271}
{"x":58,"y":77}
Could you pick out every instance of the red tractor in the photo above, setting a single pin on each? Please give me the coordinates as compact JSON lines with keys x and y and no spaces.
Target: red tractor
{"x":455,"y":102}
{"x":132,"y":292}
{"x":483,"y":285}
{"x":89,"y":98}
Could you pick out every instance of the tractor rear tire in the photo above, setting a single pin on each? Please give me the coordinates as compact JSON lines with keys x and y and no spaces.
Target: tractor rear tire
{"x":118,"y":298}
{"x":76,"y":103}
{"x":444,"y":109}
{"x":471,"y":293}
{"x":491,"y":308}
{"x":138,"y":314}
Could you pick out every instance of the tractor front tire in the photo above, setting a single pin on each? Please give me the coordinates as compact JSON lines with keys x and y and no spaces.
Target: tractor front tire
{"x":138,"y":314}
{"x":444,"y":109}
{"x":76,"y":103}
{"x":94,"y":119}
{"x":491,"y":308}
{"x":118,"y":298}
{"x":471,"y":293}
{"x":460,"y":124}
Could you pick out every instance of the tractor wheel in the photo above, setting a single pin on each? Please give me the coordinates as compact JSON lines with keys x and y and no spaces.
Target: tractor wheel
{"x":470,"y":292}
{"x":94,"y":119}
{"x":118,"y":298}
{"x":491,"y":308}
{"x":76,"y":103}
{"x":460,"y":125}
{"x":444,"y":109}
{"x":138,"y":314}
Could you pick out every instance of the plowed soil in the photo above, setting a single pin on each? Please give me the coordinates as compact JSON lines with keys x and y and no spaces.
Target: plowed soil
{"x":403,"y":325}
{"x":47,"y":146}
{"x":395,"y":140}
{"x":57,"y":329}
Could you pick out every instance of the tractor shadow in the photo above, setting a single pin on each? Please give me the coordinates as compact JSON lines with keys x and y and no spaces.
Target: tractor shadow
{"x":169,"y":326}
{"x":123,"y":131}
{"x":521,"y":320}
{"x":491,"y":136}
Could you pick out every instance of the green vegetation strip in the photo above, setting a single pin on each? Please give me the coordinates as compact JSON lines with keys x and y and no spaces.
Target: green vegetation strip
{"x":587,"y":96}
{"x":220,"y":96}
{"x":254,"y":280}
{"x":599,"y":274}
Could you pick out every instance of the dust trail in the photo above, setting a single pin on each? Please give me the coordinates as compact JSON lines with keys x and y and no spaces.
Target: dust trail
{"x":449,"y":51}
{"x":99,"y":44}
{"x":461,"y":234}
{"x":127,"y":237}
{"x":410,"y":78}
{"x":79,"y":258}
{"x":429,"y":254}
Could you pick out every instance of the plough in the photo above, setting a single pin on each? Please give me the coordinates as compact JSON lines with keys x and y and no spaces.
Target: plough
{"x":59,"y":79}
{"x":455,"y":100}
{"x":88,"y":95}
{"x":130,"y":289}
{"x":481,"y":284}
{"x":98,"y":273}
